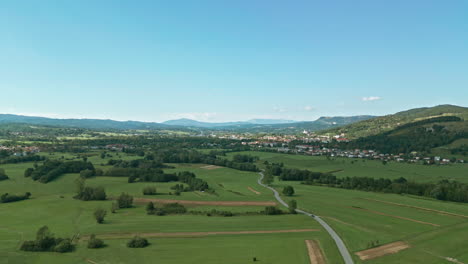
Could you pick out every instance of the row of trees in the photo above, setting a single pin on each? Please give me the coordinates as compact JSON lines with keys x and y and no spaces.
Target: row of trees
{"x":192,"y":156}
{"x":18,"y":159}
{"x":165,"y":209}
{"x":443,"y":190}
{"x":51,"y":169}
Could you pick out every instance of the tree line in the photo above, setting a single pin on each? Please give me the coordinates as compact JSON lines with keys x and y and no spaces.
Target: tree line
{"x":444,"y":190}
{"x":52,"y":169}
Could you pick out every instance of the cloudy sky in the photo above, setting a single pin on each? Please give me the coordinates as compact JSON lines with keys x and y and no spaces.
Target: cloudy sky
{"x":230,"y":60}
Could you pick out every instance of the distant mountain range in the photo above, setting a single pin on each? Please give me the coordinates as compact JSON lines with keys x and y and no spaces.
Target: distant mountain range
{"x":253,"y":125}
{"x":195,"y":123}
{"x":353,"y":126}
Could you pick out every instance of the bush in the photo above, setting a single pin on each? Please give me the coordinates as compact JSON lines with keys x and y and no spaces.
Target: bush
{"x":272,"y":210}
{"x":45,"y":242}
{"x":99,"y":215}
{"x":288,"y":191}
{"x":137,"y":242}
{"x":170,"y":208}
{"x":125,"y":201}
{"x":94,"y":242}
{"x":87,"y":173}
{"x":63,"y":246}
{"x":8,"y":198}
{"x":150,"y":190}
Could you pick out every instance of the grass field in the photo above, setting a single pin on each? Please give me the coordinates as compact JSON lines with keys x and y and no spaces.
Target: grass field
{"x":361,"y":217}
{"x":52,"y":205}
{"x":366,"y":168}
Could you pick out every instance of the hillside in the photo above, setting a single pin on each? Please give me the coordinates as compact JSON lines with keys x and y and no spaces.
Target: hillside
{"x":422,"y":136}
{"x":386,"y":123}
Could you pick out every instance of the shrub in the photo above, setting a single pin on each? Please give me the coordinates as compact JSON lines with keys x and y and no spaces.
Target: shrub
{"x":8,"y":198}
{"x":150,"y":190}
{"x":125,"y":200}
{"x":137,"y":242}
{"x":272,"y":210}
{"x":45,"y":241}
{"x":87,"y":173}
{"x":63,"y":246}
{"x":99,"y":215}
{"x":94,"y":242}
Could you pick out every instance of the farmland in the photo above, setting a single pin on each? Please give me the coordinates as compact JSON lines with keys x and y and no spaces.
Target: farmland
{"x":52,"y":204}
{"x":346,"y":167}
{"x":434,"y":230}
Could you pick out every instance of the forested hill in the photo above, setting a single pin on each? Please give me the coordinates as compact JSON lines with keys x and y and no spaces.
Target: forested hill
{"x":387,"y":123}
{"x":422,"y":136}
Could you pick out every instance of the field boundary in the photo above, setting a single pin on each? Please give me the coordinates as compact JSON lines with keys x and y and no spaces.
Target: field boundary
{"x":396,"y":216}
{"x":383,"y":250}
{"x":197,"y":234}
{"x":417,"y":207}
{"x":222,"y":203}
{"x":315,"y":253}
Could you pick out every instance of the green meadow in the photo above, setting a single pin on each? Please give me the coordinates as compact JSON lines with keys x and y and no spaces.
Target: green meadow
{"x":52,"y":204}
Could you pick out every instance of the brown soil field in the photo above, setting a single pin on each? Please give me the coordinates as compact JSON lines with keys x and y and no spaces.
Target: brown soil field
{"x":315,"y":254}
{"x":387,"y":249}
{"x":222,"y":203}
{"x":211,"y":167}
{"x":396,"y":216}
{"x":196,"y":234}
{"x":253,"y":190}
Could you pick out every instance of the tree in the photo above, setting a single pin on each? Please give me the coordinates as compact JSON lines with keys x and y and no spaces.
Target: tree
{"x":150,"y":208}
{"x":99,"y":215}
{"x":272,"y":210}
{"x":3,"y":175}
{"x":292,"y":206}
{"x":149,"y":190}
{"x":94,"y":242}
{"x":137,"y":242}
{"x":288,"y":191}
{"x":114,"y":207}
{"x":125,"y":200}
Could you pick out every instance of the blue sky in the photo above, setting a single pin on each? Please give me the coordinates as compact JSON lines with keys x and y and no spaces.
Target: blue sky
{"x":230,"y":60}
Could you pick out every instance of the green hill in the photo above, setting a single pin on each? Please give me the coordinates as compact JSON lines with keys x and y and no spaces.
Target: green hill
{"x":387,"y":123}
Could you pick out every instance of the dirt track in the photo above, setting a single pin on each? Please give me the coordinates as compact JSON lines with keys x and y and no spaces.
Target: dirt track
{"x":387,"y":249}
{"x":197,"y":234}
{"x":211,"y":167}
{"x":224,"y":203}
{"x":417,"y":207}
{"x":253,"y":190}
{"x":315,"y":254}
{"x":396,"y":216}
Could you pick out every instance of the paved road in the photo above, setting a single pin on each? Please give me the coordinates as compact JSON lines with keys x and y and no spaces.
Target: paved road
{"x":339,"y":243}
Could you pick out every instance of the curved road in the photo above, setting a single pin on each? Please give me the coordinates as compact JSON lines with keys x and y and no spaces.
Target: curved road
{"x":339,"y":243}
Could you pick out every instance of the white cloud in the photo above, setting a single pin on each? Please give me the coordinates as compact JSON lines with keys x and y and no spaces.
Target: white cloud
{"x":371,"y":98}
{"x":308,"y":108}
{"x":279,"y":109}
